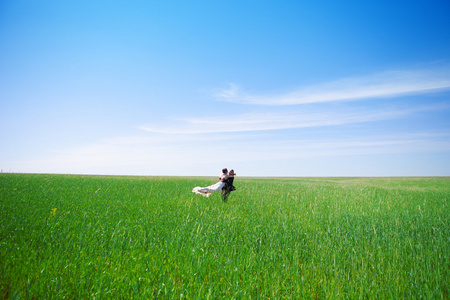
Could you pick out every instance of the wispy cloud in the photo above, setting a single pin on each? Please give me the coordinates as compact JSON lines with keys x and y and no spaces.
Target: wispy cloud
{"x":180,"y":155}
{"x":280,"y":120}
{"x":380,"y":85}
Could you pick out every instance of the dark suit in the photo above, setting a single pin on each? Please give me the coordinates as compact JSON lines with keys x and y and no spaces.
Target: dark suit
{"x":227,"y":188}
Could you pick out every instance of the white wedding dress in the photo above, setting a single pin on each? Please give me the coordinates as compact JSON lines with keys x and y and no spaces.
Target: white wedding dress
{"x":207,"y":191}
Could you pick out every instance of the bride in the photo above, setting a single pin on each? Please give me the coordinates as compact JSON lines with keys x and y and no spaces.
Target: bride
{"x":207,"y":191}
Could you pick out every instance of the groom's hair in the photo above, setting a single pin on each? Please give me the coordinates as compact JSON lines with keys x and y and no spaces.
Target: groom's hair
{"x":224,"y":171}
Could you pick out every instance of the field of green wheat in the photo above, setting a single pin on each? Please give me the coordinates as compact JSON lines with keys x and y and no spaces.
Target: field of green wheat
{"x":108,"y":237}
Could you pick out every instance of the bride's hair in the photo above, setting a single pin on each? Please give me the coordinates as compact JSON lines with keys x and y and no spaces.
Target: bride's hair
{"x":225,"y":171}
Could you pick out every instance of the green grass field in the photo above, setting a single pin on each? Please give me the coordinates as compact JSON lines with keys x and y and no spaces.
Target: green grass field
{"x":83,"y":237}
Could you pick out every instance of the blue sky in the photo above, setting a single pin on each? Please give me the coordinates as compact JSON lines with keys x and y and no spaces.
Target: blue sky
{"x":269,"y":88}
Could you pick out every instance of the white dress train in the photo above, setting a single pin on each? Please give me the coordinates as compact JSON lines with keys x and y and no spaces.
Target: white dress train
{"x":207,"y":191}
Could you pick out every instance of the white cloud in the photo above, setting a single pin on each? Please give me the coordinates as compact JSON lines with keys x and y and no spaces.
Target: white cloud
{"x":202,"y":145}
{"x":181,"y":155}
{"x":381,"y":85}
{"x":281,"y":120}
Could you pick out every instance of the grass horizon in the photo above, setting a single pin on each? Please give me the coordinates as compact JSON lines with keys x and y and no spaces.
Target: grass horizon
{"x":238,"y":176}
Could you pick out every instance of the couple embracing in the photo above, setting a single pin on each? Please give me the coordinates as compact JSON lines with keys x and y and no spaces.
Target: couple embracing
{"x":225,"y":184}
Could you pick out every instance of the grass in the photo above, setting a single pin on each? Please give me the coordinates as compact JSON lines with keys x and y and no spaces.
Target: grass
{"x":82,"y":237}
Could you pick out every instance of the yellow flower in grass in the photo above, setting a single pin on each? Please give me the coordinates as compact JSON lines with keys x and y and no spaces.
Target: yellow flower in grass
{"x":53,"y":212}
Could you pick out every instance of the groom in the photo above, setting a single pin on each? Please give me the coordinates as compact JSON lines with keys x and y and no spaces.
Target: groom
{"x":228,"y":187}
